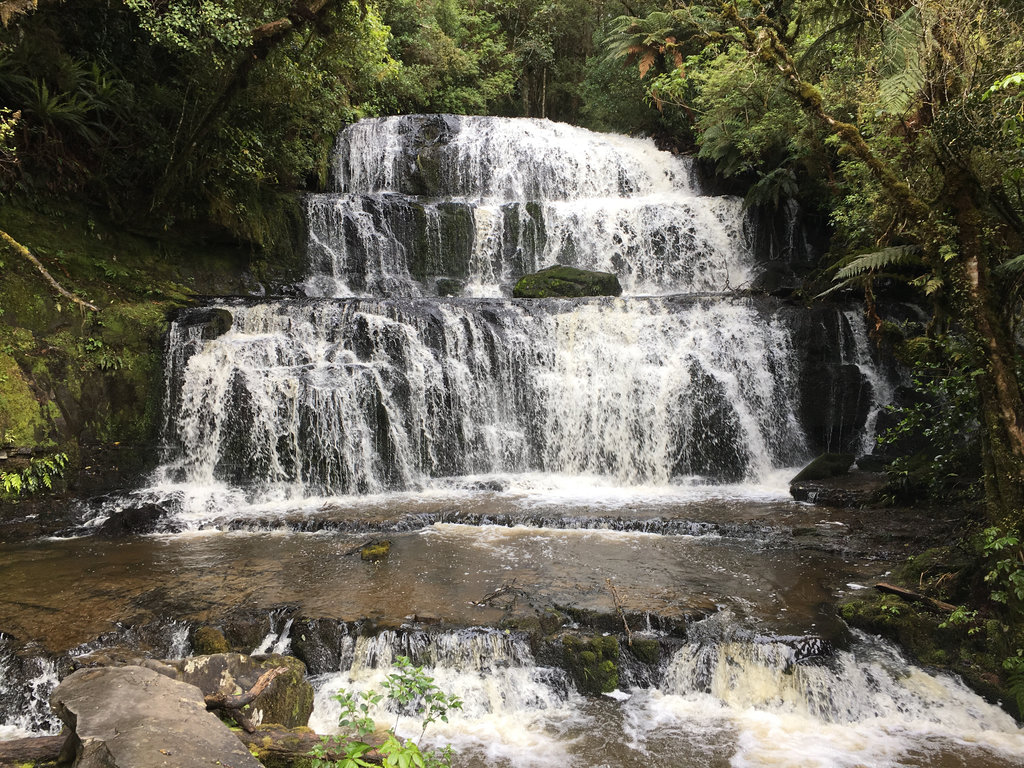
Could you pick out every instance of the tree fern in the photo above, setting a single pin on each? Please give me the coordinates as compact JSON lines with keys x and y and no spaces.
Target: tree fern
{"x":887,"y":258}
{"x":903,"y":54}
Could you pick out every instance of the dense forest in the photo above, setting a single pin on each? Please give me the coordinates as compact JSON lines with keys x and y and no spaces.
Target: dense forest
{"x":187,"y":128}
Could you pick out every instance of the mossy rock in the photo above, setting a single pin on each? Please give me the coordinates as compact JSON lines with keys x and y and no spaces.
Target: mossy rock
{"x":825,"y":466}
{"x":375,"y":551}
{"x":646,"y":649}
{"x":209,"y":640}
{"x":973,"y":651}
{"x":593,"y":662}
{"x":287,"y":702}
{"x":561,"y":281}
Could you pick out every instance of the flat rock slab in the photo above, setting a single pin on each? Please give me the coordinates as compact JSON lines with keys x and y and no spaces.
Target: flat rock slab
{"x":133,"y":717}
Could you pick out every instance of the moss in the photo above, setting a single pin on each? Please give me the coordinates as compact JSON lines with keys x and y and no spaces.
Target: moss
{"x":564,"y":281}
{"x":209,"y":640}
{"x":973,"y":651}
{"x":646,"y":649}
{"x":375,"y":551}
{"x":70,"y":377}
{"x":593,"y":662}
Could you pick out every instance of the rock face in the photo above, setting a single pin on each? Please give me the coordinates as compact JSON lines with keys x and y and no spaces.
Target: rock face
{"x":569,"y":282}
{"x":288,"y":701}
{"x":132,"y":717}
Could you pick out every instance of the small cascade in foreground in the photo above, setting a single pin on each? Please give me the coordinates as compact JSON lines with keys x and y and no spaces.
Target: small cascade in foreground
{"x":720,"y":698}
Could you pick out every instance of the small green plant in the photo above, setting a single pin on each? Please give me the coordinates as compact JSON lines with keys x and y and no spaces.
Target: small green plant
{"x":413,"y":693}
{"x":1006,"y":571}
{"x":961,"y":617}
{"x":39,"y":474}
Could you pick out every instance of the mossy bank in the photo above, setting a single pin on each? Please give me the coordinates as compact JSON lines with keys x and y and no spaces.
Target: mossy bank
{"x":89,"y":383}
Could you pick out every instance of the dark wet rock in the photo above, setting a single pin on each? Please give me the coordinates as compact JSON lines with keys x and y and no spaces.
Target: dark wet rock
{"x":213,"y":321}
{"x":872,"y":462}
{"x":855,"y":489}
{"x":563,"y":281}
{"x":288,"y":701}
{"x":825,"y":466}
{"x":132,"y":717}
{"x":318,"y":643}
{"x":776,"y":279}
{"x":132,"y":521}
{"x":447,"y":286}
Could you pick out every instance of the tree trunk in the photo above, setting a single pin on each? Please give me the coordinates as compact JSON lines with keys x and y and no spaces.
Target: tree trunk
{"x":1002,"y":407}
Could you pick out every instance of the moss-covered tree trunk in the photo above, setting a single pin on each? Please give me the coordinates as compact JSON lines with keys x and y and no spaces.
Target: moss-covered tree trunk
{"x":985,"y":321}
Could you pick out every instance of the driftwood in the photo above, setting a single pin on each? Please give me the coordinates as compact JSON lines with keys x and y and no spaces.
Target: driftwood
{"x":622,"y":613}
{"x":283,"y":746}
{"x":915,"y":597}
{"x":232,"y":704}
{"x":34,"y":749}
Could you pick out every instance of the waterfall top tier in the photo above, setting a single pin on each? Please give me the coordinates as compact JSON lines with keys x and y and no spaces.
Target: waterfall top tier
{"x":502,"y":160}
{"x":439,"y":205}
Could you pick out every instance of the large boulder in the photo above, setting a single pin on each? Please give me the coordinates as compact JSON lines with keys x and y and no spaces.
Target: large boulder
{"x":132,"y":717}
{"x":568,"y":282}
{"x":288,"y":701}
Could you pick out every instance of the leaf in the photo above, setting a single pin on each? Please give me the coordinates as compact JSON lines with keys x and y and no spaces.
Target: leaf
{"x":903,"y":51}
{"x":1012,"y":267}
{"x":646,"y":62}
{"x":887,"y":258}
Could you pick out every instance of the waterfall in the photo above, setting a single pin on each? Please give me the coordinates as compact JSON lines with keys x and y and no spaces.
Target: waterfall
{"x":720,"y":698}
{"x":406,"y":363}
{"x":427,"y":206}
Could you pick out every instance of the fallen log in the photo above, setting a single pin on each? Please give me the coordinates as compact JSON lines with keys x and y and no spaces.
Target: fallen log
{"x":276,"y":745}
{"x":32,"y":749}
{"x":915,"y":597}
{"x":232,"y":704}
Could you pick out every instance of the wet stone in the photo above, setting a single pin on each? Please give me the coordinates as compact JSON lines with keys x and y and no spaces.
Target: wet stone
{"x":132,"y":717}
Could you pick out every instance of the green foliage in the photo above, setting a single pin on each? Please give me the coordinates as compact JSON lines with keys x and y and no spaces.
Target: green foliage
{"x":939,"y":430}
{"x":38,"y":476}
{"x":411,"y":692}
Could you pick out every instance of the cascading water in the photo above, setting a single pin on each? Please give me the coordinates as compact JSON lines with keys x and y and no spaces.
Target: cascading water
{"x":314,"y":398}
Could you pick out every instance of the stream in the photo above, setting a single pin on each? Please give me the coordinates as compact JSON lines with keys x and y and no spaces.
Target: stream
{"x":609,"y":467}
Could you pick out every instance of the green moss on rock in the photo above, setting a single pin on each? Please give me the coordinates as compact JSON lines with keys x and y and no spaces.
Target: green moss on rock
{"x":593,"y":662}
{"x":565,"y":281}
{"x":209,"y":640}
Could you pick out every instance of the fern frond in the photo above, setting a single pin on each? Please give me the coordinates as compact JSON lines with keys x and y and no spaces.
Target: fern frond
{"x":1012,"y":267}
{"x":887,"y":258}
{"x":903,"y":51}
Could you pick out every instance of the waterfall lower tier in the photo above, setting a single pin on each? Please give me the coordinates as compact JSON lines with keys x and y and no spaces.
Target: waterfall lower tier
{"x":359,"y":396}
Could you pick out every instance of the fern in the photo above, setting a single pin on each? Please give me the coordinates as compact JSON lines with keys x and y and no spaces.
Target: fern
{"x":1014,"y":667}
{"x":1012,"y":267}
{"x":887,"y":258}
{"x":903,"y":49}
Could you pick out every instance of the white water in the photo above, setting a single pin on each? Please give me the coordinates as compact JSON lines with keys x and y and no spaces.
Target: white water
{"x":721,"y":701}
{"x":514,"y":196}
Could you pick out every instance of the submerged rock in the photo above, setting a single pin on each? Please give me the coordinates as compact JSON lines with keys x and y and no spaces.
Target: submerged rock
{"x":132,"y":717}
{"x":564,"y":281}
